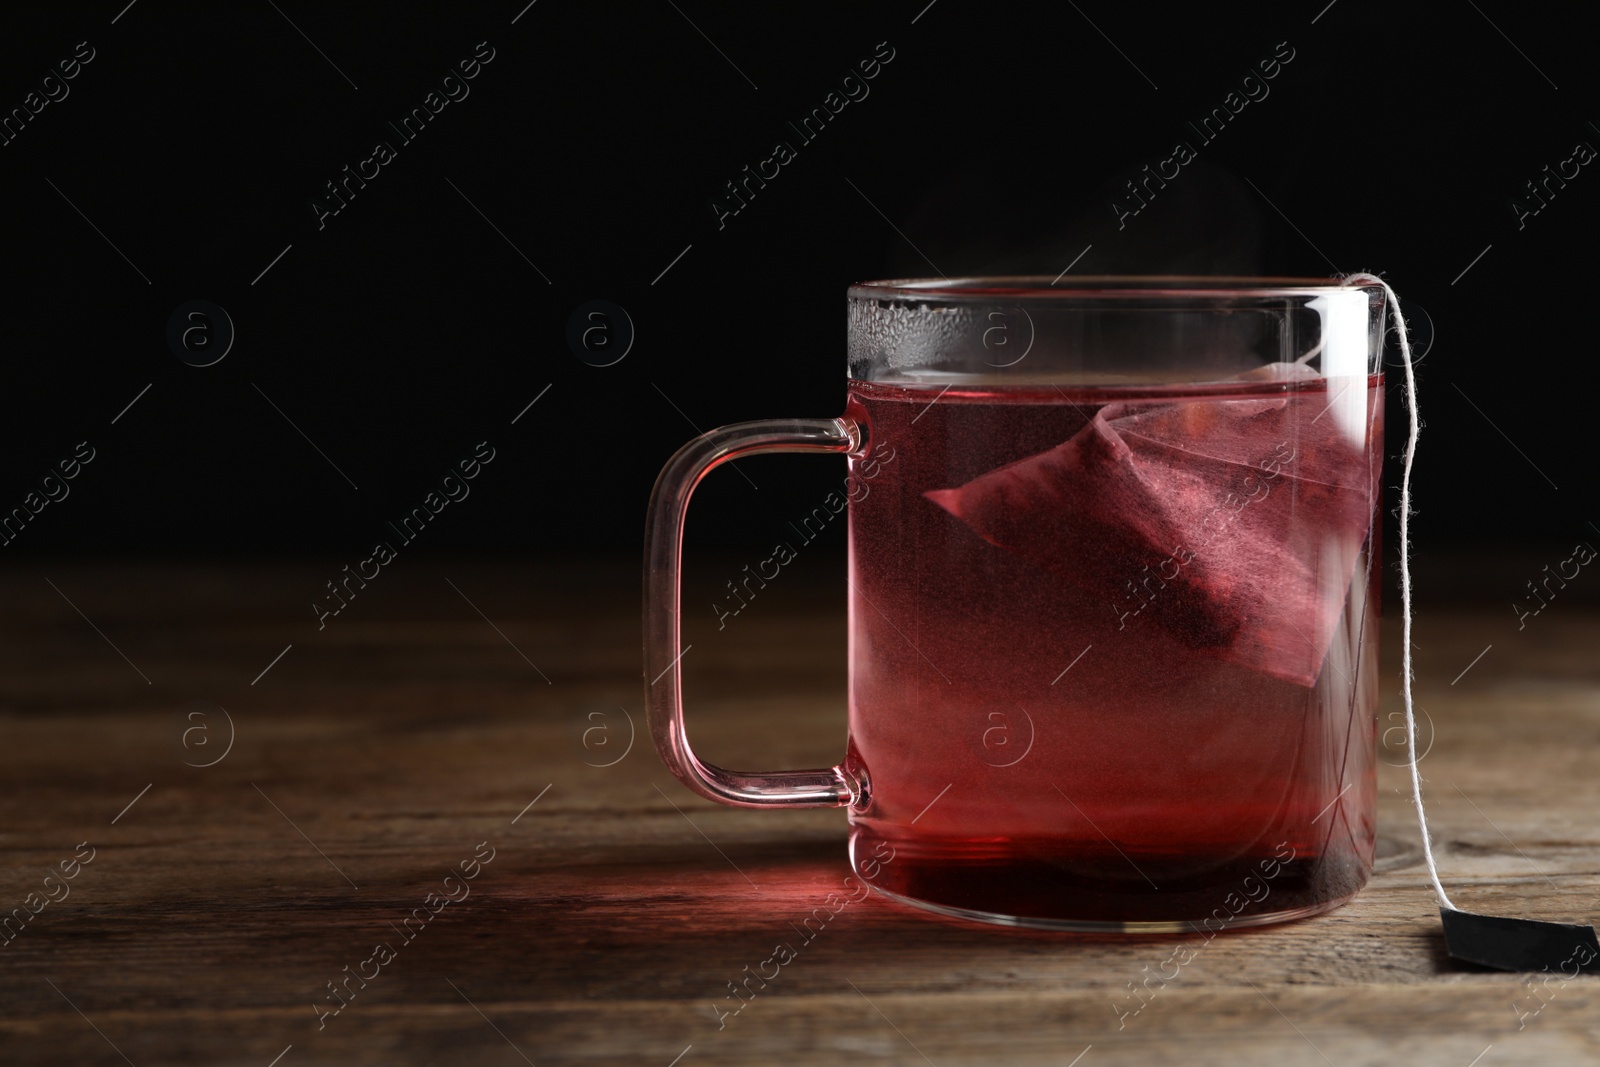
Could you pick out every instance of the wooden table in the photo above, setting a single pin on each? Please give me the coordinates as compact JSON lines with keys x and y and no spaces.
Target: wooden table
{"x":373,"y":757}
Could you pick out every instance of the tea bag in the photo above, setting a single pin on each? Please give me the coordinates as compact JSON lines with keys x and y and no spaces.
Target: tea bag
{"x":1234,"y":524}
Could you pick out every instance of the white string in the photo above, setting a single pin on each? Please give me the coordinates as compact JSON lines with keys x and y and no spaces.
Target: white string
{"x":1393,"y":307}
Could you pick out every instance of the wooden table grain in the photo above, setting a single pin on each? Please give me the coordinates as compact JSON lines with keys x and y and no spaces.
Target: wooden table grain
{"x":263,"y":803}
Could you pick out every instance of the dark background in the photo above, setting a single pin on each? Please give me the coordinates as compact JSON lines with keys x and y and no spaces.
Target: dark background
{"x":408,"y":329}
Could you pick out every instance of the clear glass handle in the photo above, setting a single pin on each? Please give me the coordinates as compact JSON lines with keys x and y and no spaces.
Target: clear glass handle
{"x":669,"y":503}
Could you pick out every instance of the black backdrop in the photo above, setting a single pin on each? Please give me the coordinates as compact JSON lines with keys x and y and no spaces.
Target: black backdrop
{"x":181,"y":163}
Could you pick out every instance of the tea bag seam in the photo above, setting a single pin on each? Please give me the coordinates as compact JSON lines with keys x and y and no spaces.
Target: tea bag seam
{"x":1232,"y":463}
{"x":1392,"y":310}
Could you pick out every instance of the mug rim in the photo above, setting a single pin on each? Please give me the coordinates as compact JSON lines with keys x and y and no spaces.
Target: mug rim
{"x":979,"y":288}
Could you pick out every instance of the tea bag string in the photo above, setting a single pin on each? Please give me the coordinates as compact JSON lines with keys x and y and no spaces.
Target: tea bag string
{"x":1392,"y":306}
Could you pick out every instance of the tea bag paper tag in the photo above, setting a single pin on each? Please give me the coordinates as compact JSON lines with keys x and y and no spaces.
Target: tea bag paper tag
{"x":1487,"y":940}
{"x":1520,"y":944}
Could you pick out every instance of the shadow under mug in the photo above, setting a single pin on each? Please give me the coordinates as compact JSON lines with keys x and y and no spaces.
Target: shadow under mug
{"x":1113,"y":598}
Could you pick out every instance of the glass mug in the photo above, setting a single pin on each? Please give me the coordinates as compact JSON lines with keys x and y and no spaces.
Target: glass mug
{"x":1113,"y":598}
